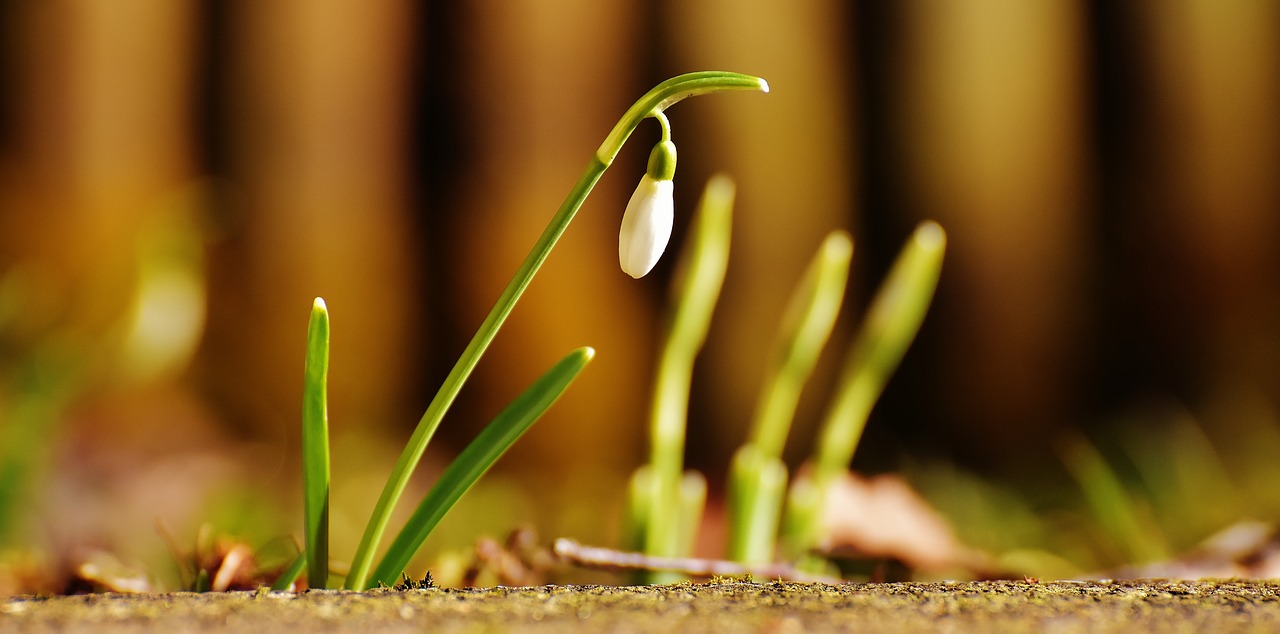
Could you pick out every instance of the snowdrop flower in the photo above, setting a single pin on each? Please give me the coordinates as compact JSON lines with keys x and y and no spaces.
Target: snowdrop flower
{"x":646,"y":224}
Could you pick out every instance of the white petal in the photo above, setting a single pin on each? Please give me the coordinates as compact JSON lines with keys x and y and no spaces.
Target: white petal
{"x":646,"y":226}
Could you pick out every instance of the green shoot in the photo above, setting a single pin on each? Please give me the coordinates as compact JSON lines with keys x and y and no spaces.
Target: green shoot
{"x":315,"y":447}
{"x":692,"y":499}
{"x":1110,"y":503}
{"x":291,"y":573}
{"x":758,"y":477}
{"x":757,"y":485}
{"x":890,"y":325}
{"x":651,"y":104}
{"x":476,"y":459}
{"x":806,"y":326}
{"x":668,"y":517}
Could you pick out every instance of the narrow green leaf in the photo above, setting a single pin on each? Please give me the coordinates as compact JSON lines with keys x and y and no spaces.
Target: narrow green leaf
{"x":693,"y":499}
{"x":639,"y":501}
{"x":699,"y":277}
{"x":890,"y":325}
{"x":476,"y":459}
{"x":291,"y":573}
{"x":315,"y":447}
{"x":758,"y":477}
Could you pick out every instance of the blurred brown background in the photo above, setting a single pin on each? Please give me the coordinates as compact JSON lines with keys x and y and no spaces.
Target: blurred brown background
{"x":178,"y":179}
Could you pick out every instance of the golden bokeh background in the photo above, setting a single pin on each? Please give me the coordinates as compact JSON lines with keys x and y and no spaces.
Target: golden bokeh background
{"x":178,"y":180}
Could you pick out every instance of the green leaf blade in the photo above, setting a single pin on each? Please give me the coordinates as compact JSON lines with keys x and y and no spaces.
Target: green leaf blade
{"x":315,"y":447}
{"x":476,"y":459}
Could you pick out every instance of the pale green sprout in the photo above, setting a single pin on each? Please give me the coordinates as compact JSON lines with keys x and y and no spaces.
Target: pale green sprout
{"x":315,"y":447}
{"x":666,"y":502}
{"x":315,"y":457}
{"x":652,"y":104}
{"x":758,"y":477}
{"x":890,"y":325}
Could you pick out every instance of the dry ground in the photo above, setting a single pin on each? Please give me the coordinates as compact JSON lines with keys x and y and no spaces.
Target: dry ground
{"x":1145,"y":606}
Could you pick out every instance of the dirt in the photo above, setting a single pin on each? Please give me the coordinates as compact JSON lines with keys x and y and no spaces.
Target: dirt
{"x":729,"y":606}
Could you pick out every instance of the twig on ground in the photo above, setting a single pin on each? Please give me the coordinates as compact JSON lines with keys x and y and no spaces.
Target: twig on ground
{"x":617,"y":560}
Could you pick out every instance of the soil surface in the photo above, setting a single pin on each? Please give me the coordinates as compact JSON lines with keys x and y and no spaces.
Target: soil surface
{"x":1128,"y":606}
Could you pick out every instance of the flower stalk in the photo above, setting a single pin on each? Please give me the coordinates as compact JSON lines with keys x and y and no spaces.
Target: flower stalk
{"x":653,"y":103}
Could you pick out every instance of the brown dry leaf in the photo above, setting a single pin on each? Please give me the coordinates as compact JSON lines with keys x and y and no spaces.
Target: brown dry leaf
{"x":1248,"y":549}
{"x":100,"y":571}
{"x":520,"y":561}
{"x":883,"y":517}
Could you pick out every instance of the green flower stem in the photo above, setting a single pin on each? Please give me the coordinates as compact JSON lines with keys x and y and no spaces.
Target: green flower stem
{"x":699,"y":278}
{"x":667,"y":93}
{"x":665,"y":124}
{"x":476,"y":459}
{"x":656,"y":100}
{"x":315,"y":447}
{"x":758,"y":477}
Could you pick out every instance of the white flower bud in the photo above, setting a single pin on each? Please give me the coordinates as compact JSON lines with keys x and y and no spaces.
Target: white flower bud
{"x":646,"y":226}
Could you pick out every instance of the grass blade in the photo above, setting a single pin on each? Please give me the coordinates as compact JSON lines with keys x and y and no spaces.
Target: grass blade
{"x":315,"y":447}
{"x":1116,"y":510}
{"x":476,"y":459}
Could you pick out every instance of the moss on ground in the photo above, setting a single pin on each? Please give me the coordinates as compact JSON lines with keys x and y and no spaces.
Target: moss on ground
{"x":736,"y":606}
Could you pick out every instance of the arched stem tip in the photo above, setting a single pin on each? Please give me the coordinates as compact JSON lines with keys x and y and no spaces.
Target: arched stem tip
{"x":667,"y":93}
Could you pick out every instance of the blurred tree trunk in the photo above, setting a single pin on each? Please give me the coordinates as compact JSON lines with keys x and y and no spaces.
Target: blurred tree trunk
{"x":990,"y":114}
{"x":317,"y":132}
{"x":1204,"y":198}
{"x":96,"y":174}
{"x":101,"y":133}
